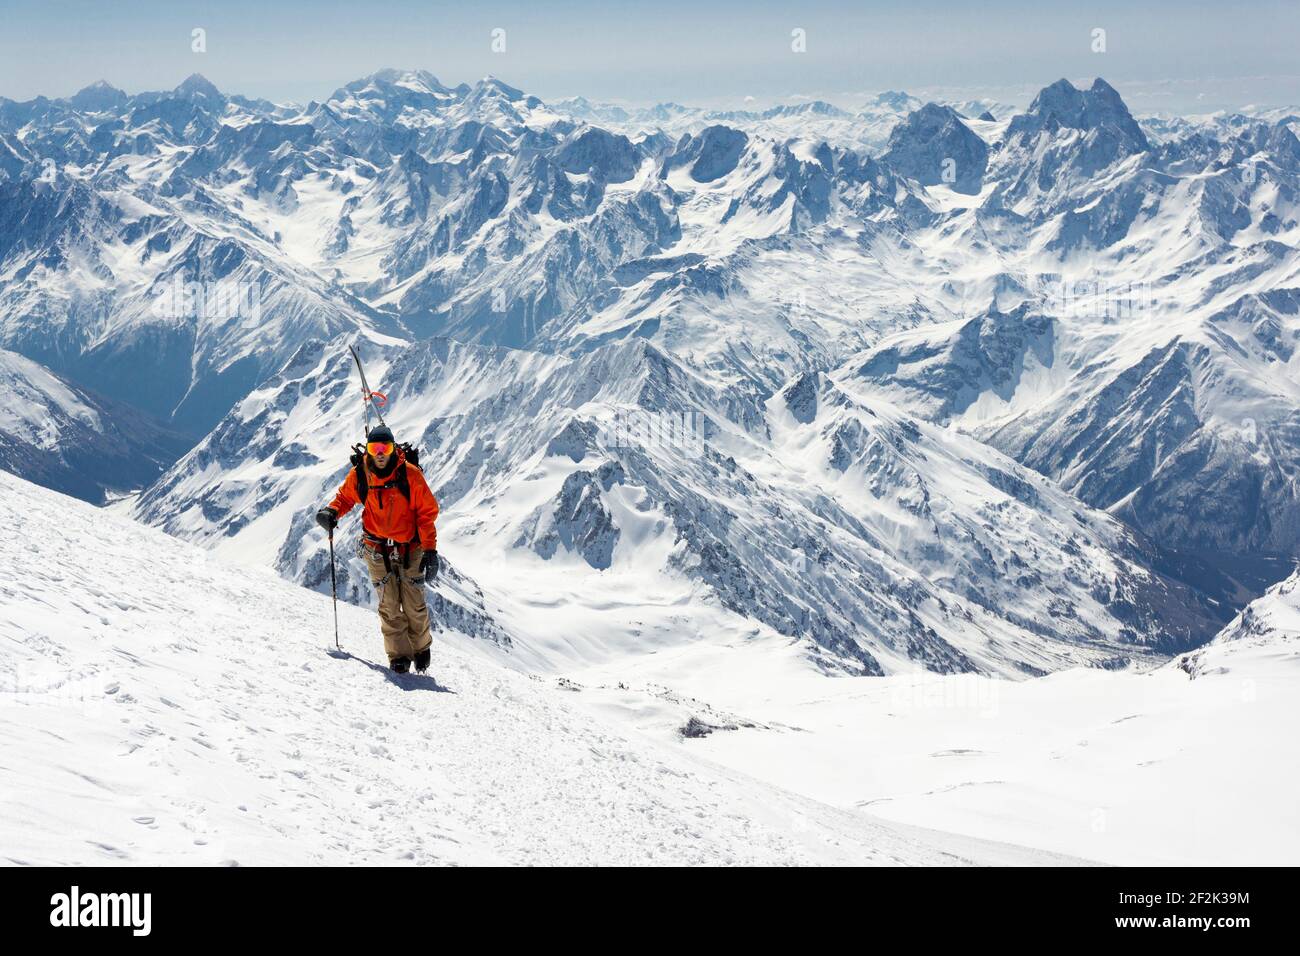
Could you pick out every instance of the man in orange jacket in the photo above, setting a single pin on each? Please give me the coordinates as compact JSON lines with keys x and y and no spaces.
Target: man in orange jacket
{"x":399,"y":543}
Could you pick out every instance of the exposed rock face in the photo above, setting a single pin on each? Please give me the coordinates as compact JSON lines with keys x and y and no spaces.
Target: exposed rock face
{"x":934,"y":146}
{"x":579,"y":521}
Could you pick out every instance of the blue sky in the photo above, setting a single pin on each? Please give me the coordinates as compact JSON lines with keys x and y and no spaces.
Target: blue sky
{"x":1180,"y":56}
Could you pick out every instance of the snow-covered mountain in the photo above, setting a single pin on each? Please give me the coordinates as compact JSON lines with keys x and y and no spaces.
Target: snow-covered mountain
{"x":920,"y":351}
{"x":864,"y":127}
{"x":934,"y":145}
{"x":1270,"y":623}
{"x":127,"y":264}
{"x":1187,"y":429}
{"x":61,"y":436}
{"x":878,"y":541}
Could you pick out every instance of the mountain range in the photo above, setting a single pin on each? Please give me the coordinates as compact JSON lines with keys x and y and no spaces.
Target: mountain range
{"x":994,"y":394}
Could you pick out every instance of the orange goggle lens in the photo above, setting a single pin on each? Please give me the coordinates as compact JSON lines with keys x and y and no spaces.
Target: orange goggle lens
{"x":379,"y":448}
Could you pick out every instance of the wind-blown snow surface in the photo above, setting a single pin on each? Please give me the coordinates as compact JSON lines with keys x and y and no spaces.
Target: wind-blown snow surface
{"x":1192,"y":763}
{"x":163,"y":707}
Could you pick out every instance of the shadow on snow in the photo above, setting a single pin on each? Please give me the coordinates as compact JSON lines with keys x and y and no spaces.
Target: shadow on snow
{"x":404,"y":681}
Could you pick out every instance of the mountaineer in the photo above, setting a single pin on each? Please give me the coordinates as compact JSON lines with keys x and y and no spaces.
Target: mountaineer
{"x":399,"y":541}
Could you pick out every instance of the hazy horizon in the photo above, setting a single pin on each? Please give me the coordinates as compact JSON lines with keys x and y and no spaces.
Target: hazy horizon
{"x":725,"y":55}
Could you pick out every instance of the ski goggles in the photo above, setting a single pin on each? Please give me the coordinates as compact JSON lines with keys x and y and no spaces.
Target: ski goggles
{"x":377,"y":448}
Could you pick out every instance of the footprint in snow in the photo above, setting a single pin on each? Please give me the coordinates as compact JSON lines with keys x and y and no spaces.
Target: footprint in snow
{"x":110,"y":850}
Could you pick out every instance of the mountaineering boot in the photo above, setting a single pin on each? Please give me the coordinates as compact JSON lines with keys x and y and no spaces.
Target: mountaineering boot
{"x":422,"y":659}
{"x":400,"y":665}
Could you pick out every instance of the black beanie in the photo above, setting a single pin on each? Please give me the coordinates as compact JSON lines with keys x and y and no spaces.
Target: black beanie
{"x":381,"y":433}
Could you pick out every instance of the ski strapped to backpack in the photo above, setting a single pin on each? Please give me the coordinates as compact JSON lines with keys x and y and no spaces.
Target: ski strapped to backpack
{"x":409,"y":455}
{"x":367,"y":396}
{"x":400,"y":481}
{"x":358,"y":458}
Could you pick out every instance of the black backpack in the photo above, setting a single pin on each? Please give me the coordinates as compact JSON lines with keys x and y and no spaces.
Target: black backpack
{"x":400,"y":482}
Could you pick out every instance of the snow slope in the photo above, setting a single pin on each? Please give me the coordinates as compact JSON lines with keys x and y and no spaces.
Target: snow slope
{"x":1192,"y":763}
{"x":1271,"y":622}
{"x":163,"y":707}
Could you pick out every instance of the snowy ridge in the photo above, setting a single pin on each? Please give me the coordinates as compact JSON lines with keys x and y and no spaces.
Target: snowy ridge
{"x":1268,"y":629}
{"x":57,"y":434}
{"x":877,"y":542}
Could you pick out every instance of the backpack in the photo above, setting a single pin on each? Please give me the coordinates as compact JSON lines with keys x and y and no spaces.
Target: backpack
{"x":358,"y":459}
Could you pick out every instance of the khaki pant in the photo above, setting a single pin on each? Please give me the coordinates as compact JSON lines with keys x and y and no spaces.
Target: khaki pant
{"x":403,"y":615}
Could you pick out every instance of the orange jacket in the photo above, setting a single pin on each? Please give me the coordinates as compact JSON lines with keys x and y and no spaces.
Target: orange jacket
{"x":387,"y":514}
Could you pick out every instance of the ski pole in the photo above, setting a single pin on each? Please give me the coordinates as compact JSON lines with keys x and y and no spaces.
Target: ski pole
{"x":334,"y":588}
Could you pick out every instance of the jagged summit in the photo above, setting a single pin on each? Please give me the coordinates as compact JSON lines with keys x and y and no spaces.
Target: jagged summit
{"x":933,"y":145}
{"x":1063,"y":105}
{"x":391,"y":75}
{"x":198,"y":85}
{"x":820,"y":107}
{"x":98,"y":96}
{"x":895,"y":100}
{"x":490,"y":85}
{"x":420,"y":85}
{"x":99,"y":86}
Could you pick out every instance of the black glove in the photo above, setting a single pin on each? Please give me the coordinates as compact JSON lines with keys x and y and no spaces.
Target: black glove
{"x":327,"y":518}
{"x":429,"y":564}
